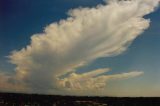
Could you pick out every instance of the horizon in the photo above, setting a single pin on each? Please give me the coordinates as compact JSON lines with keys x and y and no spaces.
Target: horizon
{"x":100,"y":96}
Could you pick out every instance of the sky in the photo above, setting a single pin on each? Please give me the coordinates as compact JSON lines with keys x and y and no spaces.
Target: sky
{"x":79,"y":47}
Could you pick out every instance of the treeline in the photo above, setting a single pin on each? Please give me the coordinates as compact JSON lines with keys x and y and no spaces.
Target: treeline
{"x":15,"y":99}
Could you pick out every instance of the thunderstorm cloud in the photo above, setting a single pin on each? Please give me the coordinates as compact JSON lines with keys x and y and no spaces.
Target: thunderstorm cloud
{"x":87,"y":34}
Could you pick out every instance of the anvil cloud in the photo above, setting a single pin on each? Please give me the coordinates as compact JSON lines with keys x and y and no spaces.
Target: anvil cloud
{"x":87,"y":34}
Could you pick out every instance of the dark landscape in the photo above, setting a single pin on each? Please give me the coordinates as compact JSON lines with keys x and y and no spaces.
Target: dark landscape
{"x":17,"y":99}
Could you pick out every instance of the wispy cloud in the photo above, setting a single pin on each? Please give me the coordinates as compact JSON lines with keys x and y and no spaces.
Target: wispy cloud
{"x":88,"y":34}
{"x":94,"y":80}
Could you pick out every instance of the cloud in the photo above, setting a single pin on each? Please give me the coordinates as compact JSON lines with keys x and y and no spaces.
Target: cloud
{"x":87,"y":34}
{"x":8,"y":83}
{"x":93,"y":80}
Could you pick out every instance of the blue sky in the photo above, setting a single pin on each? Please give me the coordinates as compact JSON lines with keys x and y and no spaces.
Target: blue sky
{"x":20,"y":19}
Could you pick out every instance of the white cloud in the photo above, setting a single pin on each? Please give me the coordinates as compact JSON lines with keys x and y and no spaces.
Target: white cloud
{"x":93,"y":80}
{"x":88,"y":34}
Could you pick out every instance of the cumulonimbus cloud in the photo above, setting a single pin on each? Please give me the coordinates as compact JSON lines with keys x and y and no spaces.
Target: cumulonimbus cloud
{"x":89,"y":33}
